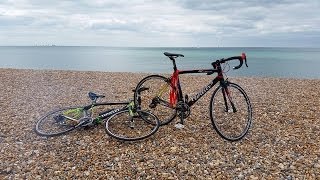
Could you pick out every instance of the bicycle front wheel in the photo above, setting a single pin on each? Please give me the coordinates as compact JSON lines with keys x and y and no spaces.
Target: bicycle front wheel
{"x":152,"y":94}
{"x":59,"y":121}
{"x":123,"y":125}
{"x":230,"y":112}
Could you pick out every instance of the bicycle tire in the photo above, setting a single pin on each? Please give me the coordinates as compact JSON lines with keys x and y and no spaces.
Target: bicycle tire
{"x":162,"y":109}
{"x":123,"y":126}
{"x":59,"y":121}
{"x":224,"y":118}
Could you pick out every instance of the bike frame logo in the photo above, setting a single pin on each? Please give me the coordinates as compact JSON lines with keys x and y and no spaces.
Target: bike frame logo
{"x":110,"y":113}
{"x":202,"y":92}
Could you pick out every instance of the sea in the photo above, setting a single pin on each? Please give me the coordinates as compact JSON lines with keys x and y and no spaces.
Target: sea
{"x":302,"y":63}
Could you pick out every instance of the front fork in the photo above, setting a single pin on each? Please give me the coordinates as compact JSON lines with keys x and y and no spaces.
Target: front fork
{"x":227,"y":96}
{"x":132,"y":112}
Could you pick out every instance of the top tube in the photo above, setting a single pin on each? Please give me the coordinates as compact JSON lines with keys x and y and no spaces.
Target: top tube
{"x":106,"y":103}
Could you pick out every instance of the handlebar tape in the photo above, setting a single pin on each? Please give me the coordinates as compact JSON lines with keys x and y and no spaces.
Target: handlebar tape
{"x":241,"y":58}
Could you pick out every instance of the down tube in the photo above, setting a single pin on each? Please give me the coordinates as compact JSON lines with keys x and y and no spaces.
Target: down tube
{"x":204,"y":90}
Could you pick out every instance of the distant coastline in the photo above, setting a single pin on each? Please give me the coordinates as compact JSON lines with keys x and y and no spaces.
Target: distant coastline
{"x":152,"y":47}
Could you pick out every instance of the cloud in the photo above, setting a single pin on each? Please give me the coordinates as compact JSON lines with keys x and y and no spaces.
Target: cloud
{"x":228,"y":5}
{"x":184,"y":22}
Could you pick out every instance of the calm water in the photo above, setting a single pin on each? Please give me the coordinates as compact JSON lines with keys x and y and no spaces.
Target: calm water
{"x":263,"y":62}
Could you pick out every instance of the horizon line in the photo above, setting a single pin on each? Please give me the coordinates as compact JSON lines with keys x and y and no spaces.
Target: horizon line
{"x":53,"y":45}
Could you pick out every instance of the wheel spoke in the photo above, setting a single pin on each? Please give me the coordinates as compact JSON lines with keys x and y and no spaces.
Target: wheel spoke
{"x":231,"y":124}
{"x":155,"y":97}
{"x":59,"y":121}
{"x":129,"y":128}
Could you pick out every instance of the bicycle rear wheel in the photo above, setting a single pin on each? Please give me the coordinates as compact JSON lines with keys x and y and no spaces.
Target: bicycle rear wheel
{"x":230,"y":112}
{"x":59,"y":121}
{"x":152,"y":94}
{"x":125,"y":126}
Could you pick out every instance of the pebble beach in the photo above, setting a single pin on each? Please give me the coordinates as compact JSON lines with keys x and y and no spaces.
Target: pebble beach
{"x":283,"y":142}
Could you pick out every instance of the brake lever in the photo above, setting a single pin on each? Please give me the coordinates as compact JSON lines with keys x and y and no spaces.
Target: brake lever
{"x":244,"y":57}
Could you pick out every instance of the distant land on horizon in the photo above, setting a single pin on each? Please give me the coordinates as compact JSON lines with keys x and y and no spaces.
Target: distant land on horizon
{"x":54,"y":45}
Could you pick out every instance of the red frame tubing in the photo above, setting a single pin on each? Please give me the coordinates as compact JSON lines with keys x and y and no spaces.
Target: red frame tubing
{"x":174,"y":88}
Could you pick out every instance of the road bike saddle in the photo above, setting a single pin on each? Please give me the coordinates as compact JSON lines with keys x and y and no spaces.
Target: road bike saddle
{"x":94,"y":96}
{"x":173,"y":55}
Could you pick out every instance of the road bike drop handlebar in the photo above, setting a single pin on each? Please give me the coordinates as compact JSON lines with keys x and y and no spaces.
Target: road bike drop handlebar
{"x":241,"y":58}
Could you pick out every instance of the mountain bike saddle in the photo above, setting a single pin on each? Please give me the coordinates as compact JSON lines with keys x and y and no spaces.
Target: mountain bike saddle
{"x":94,"y":96}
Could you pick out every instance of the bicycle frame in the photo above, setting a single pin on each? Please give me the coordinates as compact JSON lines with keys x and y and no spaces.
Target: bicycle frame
{"x":128,"y":105}
{"x":204,"y":90}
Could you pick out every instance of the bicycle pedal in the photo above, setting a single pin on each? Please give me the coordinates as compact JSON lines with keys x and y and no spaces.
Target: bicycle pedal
{"x":179,"y":126}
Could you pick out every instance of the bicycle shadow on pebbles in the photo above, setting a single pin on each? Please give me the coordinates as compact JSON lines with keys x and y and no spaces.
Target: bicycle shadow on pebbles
{"x":282,"y":143}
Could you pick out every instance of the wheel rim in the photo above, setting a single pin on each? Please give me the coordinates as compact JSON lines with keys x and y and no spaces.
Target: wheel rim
{"x":125,"y":127}
{"x":59,"y":121}
{"x":229,"y":124}
{"x":157,"y":87}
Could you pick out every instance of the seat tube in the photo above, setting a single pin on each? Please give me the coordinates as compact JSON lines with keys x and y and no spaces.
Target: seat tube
{"x":175,"y":69}
{"x":180,"y":97}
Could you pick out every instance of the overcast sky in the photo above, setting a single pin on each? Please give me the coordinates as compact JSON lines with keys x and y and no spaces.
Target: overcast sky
{"x":160,"y":23}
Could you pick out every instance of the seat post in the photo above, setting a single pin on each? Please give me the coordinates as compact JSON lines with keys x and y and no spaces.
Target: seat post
{"x":174,"y":63}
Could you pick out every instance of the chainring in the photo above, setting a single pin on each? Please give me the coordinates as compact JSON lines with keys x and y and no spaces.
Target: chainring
{"x":183,"y":109}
